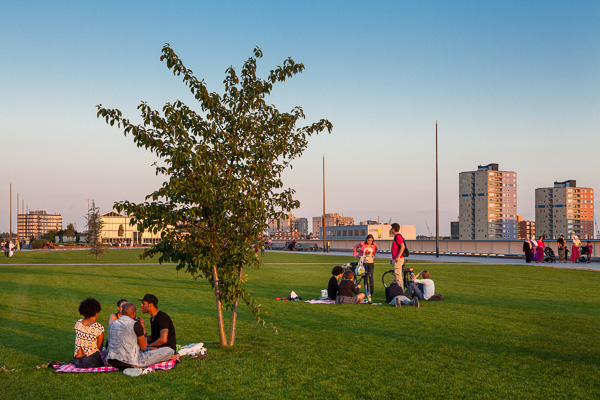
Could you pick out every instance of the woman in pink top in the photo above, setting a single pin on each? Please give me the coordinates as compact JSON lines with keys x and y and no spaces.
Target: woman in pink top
{"x":540,"y":249}
{"x":367,"y":249}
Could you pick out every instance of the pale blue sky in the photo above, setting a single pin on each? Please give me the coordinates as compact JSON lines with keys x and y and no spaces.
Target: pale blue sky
{"x":512,"y":82}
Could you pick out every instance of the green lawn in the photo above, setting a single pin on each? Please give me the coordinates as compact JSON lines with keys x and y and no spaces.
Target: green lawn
{"x":508,"y":332}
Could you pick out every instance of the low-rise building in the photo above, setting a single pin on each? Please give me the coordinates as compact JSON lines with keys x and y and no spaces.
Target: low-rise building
{"x":360,"y":232}
{"x":332,"y":219}
{"x":117,"y":228}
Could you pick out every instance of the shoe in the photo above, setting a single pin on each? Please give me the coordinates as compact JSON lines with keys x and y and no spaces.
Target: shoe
{"x":415,"y":301}
{"x":147,"y":371}
{"x":398,"y":302}
{"x":132,"y":371}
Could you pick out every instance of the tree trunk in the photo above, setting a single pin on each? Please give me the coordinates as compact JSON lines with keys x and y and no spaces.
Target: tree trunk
{"x":220,"y":322}
{"x":234,"y":316}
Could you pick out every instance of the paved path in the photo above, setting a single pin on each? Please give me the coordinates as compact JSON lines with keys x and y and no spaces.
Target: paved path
{"x":594,"y":266}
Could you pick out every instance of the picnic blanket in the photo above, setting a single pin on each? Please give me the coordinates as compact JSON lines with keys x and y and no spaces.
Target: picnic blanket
{"x":71,"y":368}
{"x":319,"y":301}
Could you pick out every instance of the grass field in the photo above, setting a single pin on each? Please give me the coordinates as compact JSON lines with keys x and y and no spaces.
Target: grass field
{"x":508,"y":332}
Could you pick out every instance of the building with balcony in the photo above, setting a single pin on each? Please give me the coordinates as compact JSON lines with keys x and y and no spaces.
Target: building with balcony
{"x":332,"y":219}
{"x":37,"y":223}
{"x":488,"y":204}
{"x":525,"y":229}
{"x":564,"y":209}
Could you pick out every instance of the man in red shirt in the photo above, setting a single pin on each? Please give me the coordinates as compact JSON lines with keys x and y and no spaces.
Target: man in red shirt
{"x":397,"y":250}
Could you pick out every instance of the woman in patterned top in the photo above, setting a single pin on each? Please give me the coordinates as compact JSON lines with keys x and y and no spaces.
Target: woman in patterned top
{"x":89,"y":335}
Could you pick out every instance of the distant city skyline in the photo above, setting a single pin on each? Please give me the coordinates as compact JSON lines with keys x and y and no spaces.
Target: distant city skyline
{"x":513,"y":83}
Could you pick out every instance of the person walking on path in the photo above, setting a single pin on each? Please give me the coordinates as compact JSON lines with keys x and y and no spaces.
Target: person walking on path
{"x":540,"y":249}
{"x":367,"y":249}
{"x":398,"y":247}
{"x":562,"y":249}
{"x":527,"y":250}
{"x":575,"y":250}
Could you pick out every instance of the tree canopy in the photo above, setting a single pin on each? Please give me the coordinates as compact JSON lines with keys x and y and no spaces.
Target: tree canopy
{"x":223,"y":164}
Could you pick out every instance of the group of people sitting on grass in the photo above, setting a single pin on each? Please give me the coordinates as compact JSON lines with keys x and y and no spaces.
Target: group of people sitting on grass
{"x":128,"y":344}
{"x":346,"y":291}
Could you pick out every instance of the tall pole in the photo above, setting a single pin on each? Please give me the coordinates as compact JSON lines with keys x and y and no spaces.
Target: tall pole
{"x":323,"y":224}
{"x":437,"y":199}
{"x":11,"y":212}
{"x":18,"y":236}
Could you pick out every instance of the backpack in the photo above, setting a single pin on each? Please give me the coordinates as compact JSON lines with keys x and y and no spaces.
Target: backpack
{"x":405,"y":253}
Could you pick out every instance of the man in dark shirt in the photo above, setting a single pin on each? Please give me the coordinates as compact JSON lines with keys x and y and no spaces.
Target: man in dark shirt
{"x":162,"y":329}
{"x":333,"y":286}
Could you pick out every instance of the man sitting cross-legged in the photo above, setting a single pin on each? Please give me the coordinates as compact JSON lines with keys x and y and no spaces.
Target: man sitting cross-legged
{"x":127,"y":344}
{"x":161,"y":327}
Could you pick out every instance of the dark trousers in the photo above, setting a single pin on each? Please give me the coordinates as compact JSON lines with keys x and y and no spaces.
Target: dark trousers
{"x":528,"y":256}
{"x":370,"y":270}
{"x":91,"y":361}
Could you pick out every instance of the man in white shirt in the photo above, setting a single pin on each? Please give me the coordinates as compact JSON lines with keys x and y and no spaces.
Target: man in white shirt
{"x":423,"y":289}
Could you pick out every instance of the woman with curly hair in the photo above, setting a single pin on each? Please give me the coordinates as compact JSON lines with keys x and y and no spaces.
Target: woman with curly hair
{"x":89,"y":335}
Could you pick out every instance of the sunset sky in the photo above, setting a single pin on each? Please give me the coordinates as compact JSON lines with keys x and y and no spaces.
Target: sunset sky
{"x":509,"y":82}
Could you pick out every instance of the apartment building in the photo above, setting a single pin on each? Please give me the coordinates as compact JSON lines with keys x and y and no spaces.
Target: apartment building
{"x":525,"y":229}
{"x":565,"y":209}
{"x":487,"y":204}
{"x":37,"y":223}
{"x":332,"y":219}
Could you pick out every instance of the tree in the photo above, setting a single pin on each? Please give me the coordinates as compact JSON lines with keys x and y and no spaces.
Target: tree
{"x":94,"y":229}
{"x":70,"y":230}
{"x":223,"y":167}
{"x":121,"y":231}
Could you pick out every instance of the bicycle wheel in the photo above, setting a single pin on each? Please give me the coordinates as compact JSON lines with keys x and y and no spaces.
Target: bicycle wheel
{"x":388,"y":277}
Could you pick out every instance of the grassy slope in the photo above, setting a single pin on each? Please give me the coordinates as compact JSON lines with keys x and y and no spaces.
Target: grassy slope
{"x":503,"y":332}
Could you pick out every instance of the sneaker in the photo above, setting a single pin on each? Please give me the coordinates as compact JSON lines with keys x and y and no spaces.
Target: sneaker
{"x":147,"y":371}
{"x":398,"y":302}
{"x":415,"y":301}
{"x":132,"y":371}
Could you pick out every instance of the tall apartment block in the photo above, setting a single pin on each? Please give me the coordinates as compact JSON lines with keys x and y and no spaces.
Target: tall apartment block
{"x":488,"y":204}
{"x":564,"y":209}
{"x":36,"y":223}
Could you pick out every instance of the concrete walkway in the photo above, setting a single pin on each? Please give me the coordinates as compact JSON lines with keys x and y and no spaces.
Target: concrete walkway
{"x":593,"y":266}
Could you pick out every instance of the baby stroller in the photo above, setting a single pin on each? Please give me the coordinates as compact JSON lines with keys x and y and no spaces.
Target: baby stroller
{"x":549,"y":255}
{"x":585,"y":257}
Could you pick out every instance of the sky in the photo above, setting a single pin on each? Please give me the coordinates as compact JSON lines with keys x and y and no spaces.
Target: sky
{"x":510,"y":82}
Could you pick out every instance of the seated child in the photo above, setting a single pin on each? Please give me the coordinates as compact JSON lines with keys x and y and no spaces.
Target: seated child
{"x":333,"y":286}
{"x":394,"y":295}
{"x":89,"y":335}
{"x":348,"y":290}
{"x":119,"y":312}
{"x":423,"y":289}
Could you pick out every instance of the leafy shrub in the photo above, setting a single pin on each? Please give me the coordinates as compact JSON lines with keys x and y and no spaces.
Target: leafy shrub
{"x":39,"y":243}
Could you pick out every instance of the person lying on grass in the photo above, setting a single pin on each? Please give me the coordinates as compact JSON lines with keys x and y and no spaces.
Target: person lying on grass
{"x":423,"y":289}
{"x":128,"y":347}
{"x":348,"y":290}
{"x":333,"y":286}
{"x":394,"y":295}
{"x":89,"y":335}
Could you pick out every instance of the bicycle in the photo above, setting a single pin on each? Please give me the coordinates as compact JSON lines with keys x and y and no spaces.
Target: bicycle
{"x":389,"y":276}
{"x":360,"y":276}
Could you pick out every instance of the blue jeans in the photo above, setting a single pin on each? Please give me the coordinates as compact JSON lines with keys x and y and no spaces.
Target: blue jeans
{"x":91,"y":361}
{"x":151,"y":357}
{"x":414,"y":288}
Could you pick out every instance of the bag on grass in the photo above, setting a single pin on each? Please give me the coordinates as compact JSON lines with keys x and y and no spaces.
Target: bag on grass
{"x":436,"y":297}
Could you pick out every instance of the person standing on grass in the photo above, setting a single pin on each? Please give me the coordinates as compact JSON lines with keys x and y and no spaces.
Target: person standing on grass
{"x":162,"y":328}
{"x":89,"y":335}
{"x":368,"y":248}
{"x":398,"y":247}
